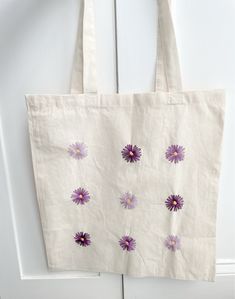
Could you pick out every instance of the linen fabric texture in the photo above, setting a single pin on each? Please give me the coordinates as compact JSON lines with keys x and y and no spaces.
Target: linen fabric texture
{"x":128,"y":183}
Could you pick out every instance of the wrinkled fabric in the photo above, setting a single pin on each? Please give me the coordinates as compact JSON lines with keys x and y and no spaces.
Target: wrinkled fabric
{"x":106,"y":124}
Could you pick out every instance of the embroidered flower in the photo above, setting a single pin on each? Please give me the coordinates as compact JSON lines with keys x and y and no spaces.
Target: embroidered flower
{"x":83,"y":239}
{"x":131,"y":153}
{"x":127,"y":243}
{"x":175,"y":153}
{"x":80,"y":196}
{"x":78,"y":150}
{"x":174,"y":202}
{"x":172,"y":243}
{"x":128,"y":201}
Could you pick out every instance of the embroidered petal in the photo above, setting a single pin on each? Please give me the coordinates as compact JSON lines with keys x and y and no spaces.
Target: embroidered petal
{"x":174,"y":202}
{"x":77,"y":150}
{"x":82,"y":239}
{"x":172,"y":243}
{"x":128,"y":201}
{"x":175,"y":153}
{"x":80,"y":196}
{"x":131,"y":153}
{"x":127,"y":243}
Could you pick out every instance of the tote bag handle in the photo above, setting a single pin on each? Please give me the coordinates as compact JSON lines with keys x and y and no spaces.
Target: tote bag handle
{"x":168,"y":77}
{"x":84,"y":65}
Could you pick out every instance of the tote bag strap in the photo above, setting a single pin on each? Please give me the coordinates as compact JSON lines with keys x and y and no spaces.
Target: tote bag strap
{"x":84,"y":65}
{"x":168,"y":77}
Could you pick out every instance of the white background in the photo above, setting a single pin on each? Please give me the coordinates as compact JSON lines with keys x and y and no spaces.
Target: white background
{"x":37,"y":40}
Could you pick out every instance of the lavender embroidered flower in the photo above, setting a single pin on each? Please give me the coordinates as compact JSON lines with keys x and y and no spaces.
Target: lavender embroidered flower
{"x":80,"y":196}
{"x":172,"y":243}
{"x":175,"y":153}
{"x":127,"y":243}
{"x":131,"y":153}
{"x":128,"y":201}
{"x":78,"y":150}
{"x":83,"y":239}
{"x":174,"y":202}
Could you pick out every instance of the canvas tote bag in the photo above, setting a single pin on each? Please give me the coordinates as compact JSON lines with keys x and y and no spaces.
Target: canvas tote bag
{"x":128,"y":183}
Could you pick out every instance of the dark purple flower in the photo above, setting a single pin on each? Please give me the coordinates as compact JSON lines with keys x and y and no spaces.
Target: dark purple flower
{"x":174,"y":202}
{"x":127,"y":243}
{"x":80,"y":196}
{"x":78,"y":150}
{"x":83,"y":239}
{"x":172,"y":243}
{"x":128,"y":201}
{"x":175,"y":153}
{"x":131,"y":153}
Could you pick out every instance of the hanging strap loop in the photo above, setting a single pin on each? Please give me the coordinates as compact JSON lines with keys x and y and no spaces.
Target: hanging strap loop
{"x":168,"y":77}
{"x":84,"y":67}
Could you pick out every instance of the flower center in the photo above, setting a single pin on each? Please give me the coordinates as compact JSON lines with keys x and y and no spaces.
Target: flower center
{"x":80,"y":196}
{"x":78,"y":151}
{"x":174,"y":202}
{"x":127,"y":243}
{"x":131,"y":153}
{"x":172,"y":242}
{"x":129,"y":200}
{"x":82,"y":239}
{"x":175,"y":154}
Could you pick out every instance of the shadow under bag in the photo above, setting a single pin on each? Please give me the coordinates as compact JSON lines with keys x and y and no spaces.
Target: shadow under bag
{"x":128,"y":183}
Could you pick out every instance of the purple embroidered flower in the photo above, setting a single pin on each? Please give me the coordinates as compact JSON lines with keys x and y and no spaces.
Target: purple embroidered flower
{"x":128,"y":201}
{"x":78,"y":150}
{"x":174,"y":202}
{"x":175,"y":153}
{"x":131,"y":153}
{"x":172,"y":243}
{"x":83,"y":239}
{"x":127,"y":243}
{"x":80,"y":196}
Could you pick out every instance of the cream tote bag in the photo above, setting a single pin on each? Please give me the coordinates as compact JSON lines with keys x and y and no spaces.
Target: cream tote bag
{"x":128,"y":183}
